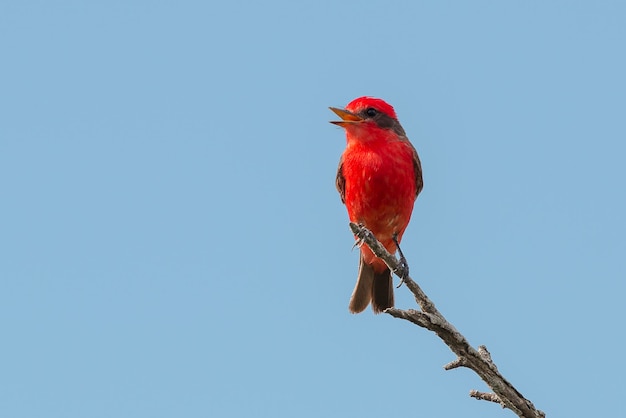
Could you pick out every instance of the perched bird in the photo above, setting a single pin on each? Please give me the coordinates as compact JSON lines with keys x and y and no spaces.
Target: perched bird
{"x":378,"y":179}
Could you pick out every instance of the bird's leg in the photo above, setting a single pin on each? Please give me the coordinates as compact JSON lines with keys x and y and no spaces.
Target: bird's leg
{"x":403,"y":266}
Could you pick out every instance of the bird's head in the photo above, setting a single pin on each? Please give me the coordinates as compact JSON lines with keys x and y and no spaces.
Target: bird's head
{"x":368,"y":113}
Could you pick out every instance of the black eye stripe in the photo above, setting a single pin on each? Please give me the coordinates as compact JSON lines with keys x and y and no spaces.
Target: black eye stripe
{"x":383,"y":120}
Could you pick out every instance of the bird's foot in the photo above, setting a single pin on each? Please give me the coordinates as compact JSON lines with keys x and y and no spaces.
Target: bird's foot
{"x":403,"y":266}
{"x":360,"y":237}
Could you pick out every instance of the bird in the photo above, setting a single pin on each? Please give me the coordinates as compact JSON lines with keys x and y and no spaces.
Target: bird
{"x":378,"y":179}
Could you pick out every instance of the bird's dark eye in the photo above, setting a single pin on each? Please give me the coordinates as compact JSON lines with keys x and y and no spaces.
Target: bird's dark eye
{"x":371,"y":112}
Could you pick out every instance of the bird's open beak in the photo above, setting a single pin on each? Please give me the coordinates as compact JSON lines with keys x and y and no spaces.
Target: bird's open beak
{"x":347,"y":117}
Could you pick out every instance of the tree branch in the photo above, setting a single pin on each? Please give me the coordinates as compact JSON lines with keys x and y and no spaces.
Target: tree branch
{"x":479,"y":360}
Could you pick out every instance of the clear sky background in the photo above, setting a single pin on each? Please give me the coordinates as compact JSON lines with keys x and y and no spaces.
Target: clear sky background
{"x":172,"y":243}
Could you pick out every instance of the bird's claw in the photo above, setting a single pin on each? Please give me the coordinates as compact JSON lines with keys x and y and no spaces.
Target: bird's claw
{"x":402,"y":271}
{"x":360,"y":237}
{"x":403,"y":266}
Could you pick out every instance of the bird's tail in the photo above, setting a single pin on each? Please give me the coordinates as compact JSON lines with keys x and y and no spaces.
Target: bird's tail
{"x":371,"y":287}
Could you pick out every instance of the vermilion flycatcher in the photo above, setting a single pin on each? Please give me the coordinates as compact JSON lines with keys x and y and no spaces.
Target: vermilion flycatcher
{"x":379,"y":178}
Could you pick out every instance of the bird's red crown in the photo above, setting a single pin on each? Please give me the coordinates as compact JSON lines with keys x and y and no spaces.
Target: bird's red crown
{"x":356,"y":105}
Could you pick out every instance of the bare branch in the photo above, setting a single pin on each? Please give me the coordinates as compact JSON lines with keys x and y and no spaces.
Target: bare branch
{"x":479,"y":360}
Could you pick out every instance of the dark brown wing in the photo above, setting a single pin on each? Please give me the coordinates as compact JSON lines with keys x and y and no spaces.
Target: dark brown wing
{"x":417,"y":168}
{"x":390,"y":123}
{"x":340,"y":182}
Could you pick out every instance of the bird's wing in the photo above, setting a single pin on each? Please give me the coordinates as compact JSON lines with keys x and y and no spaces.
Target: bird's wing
{"x":417,"y":168}
{"x":340,"y":182}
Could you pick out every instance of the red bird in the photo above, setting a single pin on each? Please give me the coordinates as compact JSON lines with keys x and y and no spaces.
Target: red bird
{"x":379,"y":178}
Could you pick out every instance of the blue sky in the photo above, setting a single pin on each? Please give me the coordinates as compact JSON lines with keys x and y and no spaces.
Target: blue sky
{"x":173,"y":244}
